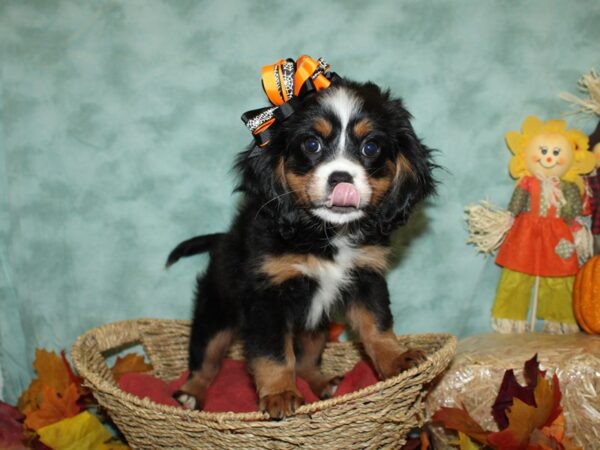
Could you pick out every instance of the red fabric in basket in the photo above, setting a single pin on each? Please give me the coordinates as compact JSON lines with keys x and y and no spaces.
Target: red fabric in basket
{"x":233,"y":388}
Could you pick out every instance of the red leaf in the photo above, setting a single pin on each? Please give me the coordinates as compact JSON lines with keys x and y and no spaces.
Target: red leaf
{"x":509,"y":390}
{"x":74,"y":378}
{"x":531,"y":371}
{"x":11,"y":429}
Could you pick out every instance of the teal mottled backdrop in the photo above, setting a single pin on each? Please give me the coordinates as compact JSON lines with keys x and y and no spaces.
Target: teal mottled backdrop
{"x":120,"y":121}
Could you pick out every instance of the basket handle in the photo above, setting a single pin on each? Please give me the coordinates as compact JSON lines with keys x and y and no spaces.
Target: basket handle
{"x":89,"y":361}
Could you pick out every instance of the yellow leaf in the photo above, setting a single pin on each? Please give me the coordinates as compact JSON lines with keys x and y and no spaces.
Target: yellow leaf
{"x":128,"y":364}
{"x":81,"y":432}
{"x":465,"y":442}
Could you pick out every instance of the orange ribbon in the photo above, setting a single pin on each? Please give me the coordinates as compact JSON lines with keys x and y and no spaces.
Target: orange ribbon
{"x":282,"y":82}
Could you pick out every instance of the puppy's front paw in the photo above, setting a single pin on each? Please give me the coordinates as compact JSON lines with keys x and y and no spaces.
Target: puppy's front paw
{"x":409,"y":359}
{"x":280,"y":405}
{"x":187,"y":401}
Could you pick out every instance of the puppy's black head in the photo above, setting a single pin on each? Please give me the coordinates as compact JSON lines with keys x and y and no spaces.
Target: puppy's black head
{"x":349,"y":155}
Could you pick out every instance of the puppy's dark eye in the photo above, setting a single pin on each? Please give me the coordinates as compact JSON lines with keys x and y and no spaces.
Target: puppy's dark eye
{"x":370,"y":149}
{"x":312,"y":145}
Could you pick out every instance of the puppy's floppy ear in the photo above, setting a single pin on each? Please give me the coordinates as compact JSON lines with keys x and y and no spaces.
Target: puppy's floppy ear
{"x":262,"y":178}
{"x":256,"y":168}
{"x":414,"y":180}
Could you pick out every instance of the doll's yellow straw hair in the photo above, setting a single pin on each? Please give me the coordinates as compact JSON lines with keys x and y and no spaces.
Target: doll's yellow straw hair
{"x":517,"y":141}
{"x":589,"y":84}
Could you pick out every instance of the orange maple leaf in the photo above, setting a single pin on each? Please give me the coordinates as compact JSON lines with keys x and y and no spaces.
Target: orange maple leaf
{"x":524,"y":419}
{"x":53,"y":371}
{"x":128,"y":364}
{"x":30,"y":398}
{"x":556,"y":429}
{"x":54,"y":407}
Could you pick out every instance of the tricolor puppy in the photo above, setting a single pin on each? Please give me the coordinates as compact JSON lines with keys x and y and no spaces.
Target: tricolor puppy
{"x":311,"y":236}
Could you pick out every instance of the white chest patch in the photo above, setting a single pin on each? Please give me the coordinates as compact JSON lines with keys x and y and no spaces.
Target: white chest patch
{"x":332,"y":276}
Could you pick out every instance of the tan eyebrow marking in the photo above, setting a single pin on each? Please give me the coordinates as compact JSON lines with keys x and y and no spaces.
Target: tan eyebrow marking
{"x":323,"y":127}
{"x":362,"y":128}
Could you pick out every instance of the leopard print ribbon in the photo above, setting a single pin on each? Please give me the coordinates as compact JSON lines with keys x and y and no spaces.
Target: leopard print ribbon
{"x":285,"y":83}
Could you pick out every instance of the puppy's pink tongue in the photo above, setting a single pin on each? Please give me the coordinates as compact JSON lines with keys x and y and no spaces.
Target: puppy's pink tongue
{"x":345,"y":194}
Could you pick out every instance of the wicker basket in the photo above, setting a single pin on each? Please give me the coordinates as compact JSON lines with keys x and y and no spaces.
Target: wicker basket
{"x":378,"y":416}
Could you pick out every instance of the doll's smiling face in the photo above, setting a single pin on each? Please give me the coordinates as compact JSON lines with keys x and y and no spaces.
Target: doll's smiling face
{"x":549,"y":155}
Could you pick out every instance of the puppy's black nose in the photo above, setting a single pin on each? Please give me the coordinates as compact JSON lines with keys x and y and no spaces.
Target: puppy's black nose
{"x":339,"y":177}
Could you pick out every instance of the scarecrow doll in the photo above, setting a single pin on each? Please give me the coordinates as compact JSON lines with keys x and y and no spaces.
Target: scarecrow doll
{"x":537,"y":236}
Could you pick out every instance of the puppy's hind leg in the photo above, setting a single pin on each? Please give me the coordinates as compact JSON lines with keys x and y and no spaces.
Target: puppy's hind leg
{"x":213,"y":329}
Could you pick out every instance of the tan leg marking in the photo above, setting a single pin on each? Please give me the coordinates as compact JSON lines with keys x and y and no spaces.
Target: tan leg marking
{"x":193,"y":392}
{"x":387,"y":355}
{"x":311,"y":345}
{"x":276,"y":383}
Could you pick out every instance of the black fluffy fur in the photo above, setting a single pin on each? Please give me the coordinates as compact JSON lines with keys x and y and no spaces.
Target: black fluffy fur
{"x":233,"y":294}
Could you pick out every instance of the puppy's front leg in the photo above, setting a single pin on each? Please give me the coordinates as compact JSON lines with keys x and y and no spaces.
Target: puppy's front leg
{"x":371,"y":318}
{"x":270,"y":353}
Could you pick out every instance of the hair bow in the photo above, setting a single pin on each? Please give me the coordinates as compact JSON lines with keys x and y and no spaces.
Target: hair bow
{"x":285,"y":83}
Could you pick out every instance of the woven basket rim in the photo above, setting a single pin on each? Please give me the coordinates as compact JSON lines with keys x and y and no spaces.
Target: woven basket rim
{"x":92,"y":379}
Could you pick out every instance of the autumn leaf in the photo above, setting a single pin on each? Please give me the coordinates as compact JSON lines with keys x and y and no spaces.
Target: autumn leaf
{"x":552,"y":436}
{"x":130,"y":363}
{"x":54,"y":407}
{"x":460,"y":420}
{"x":54,"y":372}
{"x":82,"y":431}
{"x":11,"y":428}
{"x":524,"y":419}
{"x":72,"y":377}
{"x":30,"y":398}
{"x":510,"y":389}
{"x":465,"y":442}
{"x":556,"y":429}
{"x":532,"y":371}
